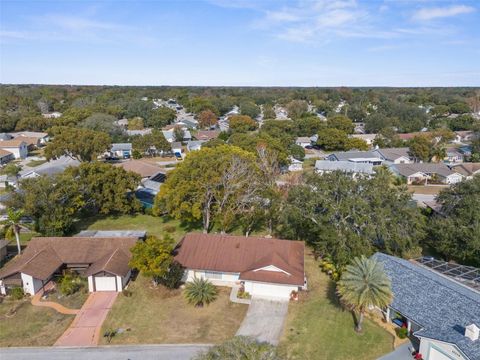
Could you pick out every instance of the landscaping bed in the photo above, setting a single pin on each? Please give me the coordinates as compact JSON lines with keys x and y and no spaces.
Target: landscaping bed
{"x":23,"y":324}
{"x":158,"y":315}
{"x":317,"y":327}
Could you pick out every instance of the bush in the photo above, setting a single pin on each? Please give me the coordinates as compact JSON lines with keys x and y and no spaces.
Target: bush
{"x":173,"y":278}
{"x":17,"y":293}
{"x":402,"y":332}
{"x":170,"y":228}
{"x":69,"y":284}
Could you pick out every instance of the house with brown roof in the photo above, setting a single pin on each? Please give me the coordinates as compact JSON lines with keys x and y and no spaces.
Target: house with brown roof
{"x":104,"y":261}
{"x":469,"y":170}
{"x":207,"y":135}
{"x":266,"y":267}
{"x":18,"y":147}
{"x":6,"y":156}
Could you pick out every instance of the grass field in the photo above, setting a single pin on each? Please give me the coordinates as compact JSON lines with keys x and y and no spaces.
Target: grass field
{"x":159,"y":315}
{"x":30,"y":325}
{"x":426,"y":190}
{"x":317,"y":327}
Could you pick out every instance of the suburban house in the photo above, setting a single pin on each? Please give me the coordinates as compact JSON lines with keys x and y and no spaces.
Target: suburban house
{"x":6,"y":156}
{"x":17,"y":147}
{"x":464,"y":136}
{"x":37,"y":138}
{"x":394,"y":155}
{"x":303,"y":141}
{"x":468,"y":170}
{"x":439,"y":308}
{"x":122,"y":150}
{"x":368,"y":138}
{"x":454,"y":155}
{"x":194,"y":145}
{"x":142,"y":132}
{"x":354,"y":168}
{"x":5,"y":136}
{"x":368,"y":157}
{"x":177,"y":149}
{"x":152,"y":175}
{"x":50,"y":168}
{"x":104,"y":260}
{"x":295,"y":165}
{"x":419,"y":173}
{"x":207,"y":135}
{"x":265,"y":267}
{"x":52,"y":115}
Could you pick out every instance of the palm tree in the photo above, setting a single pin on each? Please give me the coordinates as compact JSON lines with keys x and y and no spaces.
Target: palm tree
{"x":364,"y":284}
{"x":12,"y":225}
{"x":200,"y":291}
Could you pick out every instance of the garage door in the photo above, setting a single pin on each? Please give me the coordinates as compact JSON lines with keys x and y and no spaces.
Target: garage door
{"x":105,"y":283}
{"x":437,"y":355}
{"x":270,"y":291}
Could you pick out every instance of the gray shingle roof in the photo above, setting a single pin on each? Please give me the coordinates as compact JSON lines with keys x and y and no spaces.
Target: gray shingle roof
{"x":427,"y":168}
{"x":121,"y":146}
{"x":391,"y":154}
{"x":346,"y":166}
{"x":441,"y":306}
{"x":351,"y":155}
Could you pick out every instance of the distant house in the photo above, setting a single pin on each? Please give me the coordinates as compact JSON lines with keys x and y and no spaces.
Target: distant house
{"x":52,"y":115}
{"x":6,"y":156}
{"x":394,"y":155}
{"x":468,"y":170}
{"x":354,"y":168}
{"x":436,"y":309}
{"x":194,"y":145}
{"x":104,"y":261}
{"x":17,"y":147}
{"x":207,"y":135}
{"x":454,"y":155}
{"x":368,"y":138}
{"x":419,"y":173}
{"x":142,"y":132}
{"x":34,"y":137}
{"x":368,"y":157}
{"x":169,"y":135}
{"x":464,"y":136}
{"x":121,"y":150}
{"x":5,"y":136}
{"x":303,"y":141}
{"x":295,"y":165}
{"x":140,"y":167}
{"x":265,"y":267}
{"x":50,"y":168}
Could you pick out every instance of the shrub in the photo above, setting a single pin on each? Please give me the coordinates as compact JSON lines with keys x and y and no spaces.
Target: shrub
{"x":17,"y":293}
{"x":200,"y":292}
{"x":170,"y":228}
{"x":109,"y":334}
{"x":69,"y":284}
{"x":402,"y":332}
{"x":173,"y":278}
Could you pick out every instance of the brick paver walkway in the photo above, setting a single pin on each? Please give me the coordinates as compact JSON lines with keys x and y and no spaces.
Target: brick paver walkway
{"x":36,"y":301}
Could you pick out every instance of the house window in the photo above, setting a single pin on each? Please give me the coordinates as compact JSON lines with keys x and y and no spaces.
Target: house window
{"x":213,"y":275}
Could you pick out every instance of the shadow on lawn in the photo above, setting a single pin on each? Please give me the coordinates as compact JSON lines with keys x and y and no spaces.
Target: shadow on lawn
{"x":333,"y":296}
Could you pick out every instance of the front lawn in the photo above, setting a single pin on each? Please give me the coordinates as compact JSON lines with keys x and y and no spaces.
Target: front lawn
{"x":35,"y":163}
{"x":158,"y":315}
{"x":317,"y":327}
{"x":30,"y":325}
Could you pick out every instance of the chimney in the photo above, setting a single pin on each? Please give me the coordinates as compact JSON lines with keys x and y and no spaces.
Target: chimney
{"x":472,"y":332}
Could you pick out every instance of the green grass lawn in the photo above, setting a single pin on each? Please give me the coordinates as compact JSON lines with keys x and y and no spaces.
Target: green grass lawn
{"x":318,"y":328}
{"x":154,"y":225}
{"x":30,"y":325}
{"x":35,"y":163}
{"x":158,"y":315}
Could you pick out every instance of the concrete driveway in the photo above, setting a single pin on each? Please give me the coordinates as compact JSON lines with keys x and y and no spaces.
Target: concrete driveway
{"x":264,"y":320}
{"x":402,"y":352}
{"x":86,"y":327}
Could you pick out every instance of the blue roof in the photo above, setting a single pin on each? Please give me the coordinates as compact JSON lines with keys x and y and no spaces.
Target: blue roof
{"x":441,"y":306}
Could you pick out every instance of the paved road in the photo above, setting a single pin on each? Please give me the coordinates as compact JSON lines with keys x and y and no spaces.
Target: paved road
{"x":264,"y":320}
{"x":140,"y":352}
{"x":423,"y":197}
{"x":86,"y":327}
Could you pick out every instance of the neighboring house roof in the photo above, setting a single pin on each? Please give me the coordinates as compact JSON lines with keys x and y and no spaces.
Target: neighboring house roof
{"x":194,"y":144}
{"x":31,"y":134}
{"x":426,"y":168}
{"x":44,"y":255}
{"x":303,"y":139}
{"x":139,"y":234}
{"x":248,"y":256}
{"x":13,"y":143}
{"x":29,"y":140}
{"x":453,"y":151}
{"x":139,"y":132}
{"x":392,"y":154}
{"x":51,"y":167}
{"x":440,"y":305}
{"x":4,"y":153}
{"x":176,"y":145}
{"x":140,"y":167}
{"x":207,"y":134}
{"x":121,"y":147}
{"x":168,"y":135}
{"x":466,"y":169}
{"x":366,"y":137}
{"x":5,"y":136}
{"x":356,"y":155}
{"x":345,"y":166}
{"x":409,"y":136}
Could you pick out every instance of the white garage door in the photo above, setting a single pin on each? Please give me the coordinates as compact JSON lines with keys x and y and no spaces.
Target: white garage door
{"x":105,"y":283}
{"x":437,"y":355}
{"x":270,"y":291}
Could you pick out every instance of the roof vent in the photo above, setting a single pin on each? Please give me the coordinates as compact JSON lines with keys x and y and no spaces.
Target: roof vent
{"x":472,"y":332}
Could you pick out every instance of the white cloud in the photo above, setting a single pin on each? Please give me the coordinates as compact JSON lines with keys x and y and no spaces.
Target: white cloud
{"x":426,"y":14}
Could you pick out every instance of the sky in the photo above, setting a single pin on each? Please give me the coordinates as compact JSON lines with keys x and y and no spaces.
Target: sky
{"x":241,"y":42}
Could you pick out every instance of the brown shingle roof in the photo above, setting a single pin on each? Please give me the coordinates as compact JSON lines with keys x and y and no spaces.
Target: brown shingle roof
{"x":4,"y":153}
{"x":467,"y":169}
{"x":44,"y":255}
{"x":12,"y":143}
{"x":207,"y":134}
{"x":244,"y":255}
{"x":142,"y":168}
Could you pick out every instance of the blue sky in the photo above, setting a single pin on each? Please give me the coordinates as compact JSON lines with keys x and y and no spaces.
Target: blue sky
{"x":241,"y":42}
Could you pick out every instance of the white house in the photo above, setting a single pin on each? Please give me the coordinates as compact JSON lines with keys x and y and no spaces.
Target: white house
{"x":424,"y":172}
{"x":368,"y":138}
{"x":303,"y":141}
{"x":194,"y":145}
{"x":353,"y":168}
{"x":122,"y":150}
{"x":103,"y":260}
{"x":295,"y":165}
{"x":265,"y":267}
{"x":394,"y":155}
{"x":368,"y":157}
{"x":18,"y":147}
